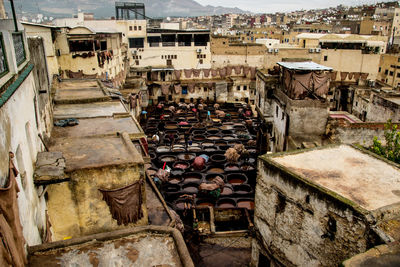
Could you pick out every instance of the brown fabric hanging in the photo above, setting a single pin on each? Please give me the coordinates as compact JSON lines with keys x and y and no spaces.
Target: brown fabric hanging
{"x":222,"y":72}
{"x":191,"y":87}
{"x":177,"y":74}
{"x":206,"y":73}
{"x":253,"y":72}
{"x":321,"y":83}
{"x":238,"y":70}
{"x":125,"y":203}
{"x":357,"y":76}
{"x":154,"y":76}
{"x":343,"y":75}
{"x":214,"y":72}
{"x":12,"y":245}
{"x":364,"y":76}
{"x":132,"y":101}
{"x":351,"y":74}
{"x":210,"y":85}
{"x":47,"y":238}
{"x":287,"y":78}
{"x":333,"y":75}
{"x":299,"y":85}
{"x":246,"y":70}
{"x":165,"y":88}
{"x":229,"y":70}
{"x":188,"y":73}
{"x":177,"y":88}
{"x":196,"y":72}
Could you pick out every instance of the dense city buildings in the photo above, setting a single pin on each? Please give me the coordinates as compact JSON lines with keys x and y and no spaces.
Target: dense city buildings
{"x":215,"y":138}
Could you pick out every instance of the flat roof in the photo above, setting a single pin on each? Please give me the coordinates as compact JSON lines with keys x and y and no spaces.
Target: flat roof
{"x":394,"y":99}
{"x":138,"y":246}
{"x":305,"y":65}
{"x":95,"y":152}
{"x":362,"y":178}
{"x":98,"y":127}
{"x":88,"y":110}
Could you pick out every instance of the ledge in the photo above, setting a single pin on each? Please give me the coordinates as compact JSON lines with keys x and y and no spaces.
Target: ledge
{"x":15,"y":85}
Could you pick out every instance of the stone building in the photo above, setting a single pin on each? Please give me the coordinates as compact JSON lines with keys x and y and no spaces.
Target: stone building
{"x":319,"y":207}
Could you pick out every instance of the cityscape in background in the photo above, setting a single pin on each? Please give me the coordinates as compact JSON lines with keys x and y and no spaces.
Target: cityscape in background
{"x":171,"y":133}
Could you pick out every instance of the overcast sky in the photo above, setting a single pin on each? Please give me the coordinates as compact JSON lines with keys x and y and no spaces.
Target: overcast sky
{"x":267,"y":6}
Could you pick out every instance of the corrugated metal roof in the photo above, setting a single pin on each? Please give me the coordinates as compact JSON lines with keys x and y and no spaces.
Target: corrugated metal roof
{"x":306,"y":65}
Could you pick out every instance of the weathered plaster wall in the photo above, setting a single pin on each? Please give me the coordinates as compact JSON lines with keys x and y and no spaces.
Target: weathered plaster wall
{"x":20,"y":125}
{"x":85,"y":212}
{"x":303,"y":226}
{"x":381,"y":109}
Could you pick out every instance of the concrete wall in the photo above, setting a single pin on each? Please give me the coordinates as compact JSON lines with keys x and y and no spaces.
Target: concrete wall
{"x":293,"y":222}
{"x":381,"y":110}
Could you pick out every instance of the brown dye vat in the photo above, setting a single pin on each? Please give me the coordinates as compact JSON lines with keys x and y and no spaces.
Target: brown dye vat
{"x":226,"y":203}
{"x":211,"y":176}
{"x":171,"y":127}
{"x":194,"y":149}
{"x":226,"y":206}
{"x":248,"y":204}
{"x":174,"y":180}
{"x":220,"y":143}
{"x":181,"y":165}
{"x":236,"y":179}
{"x":207,"y":144}
{"x":226,"y":127}
{"x":180,"y":205}
{"x":216,"y":170}
{"x":191,"y":189}
{"x":226,"y":132}
{"x":178,"y":149}
{"x":198,"y":137}
{"x":192,"y":177}
{"x":186,"y":156}
{"x":205,"y":204}
{"x":210,"y":149}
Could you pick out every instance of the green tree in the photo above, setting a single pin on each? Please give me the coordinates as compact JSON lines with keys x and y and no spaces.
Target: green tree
{"x":391,"y":148}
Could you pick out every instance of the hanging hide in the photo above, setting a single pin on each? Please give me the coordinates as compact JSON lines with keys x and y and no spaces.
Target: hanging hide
{"x":196,"y":72}
{"x":188,"y":73}
{"x":177,"y":88}
{"x":214,"y":72}
{"x":177,"y":74}
{"x":343,"y":75}
{"x":206,"y":73}
{"x":229,"y":70}
{"x":191,"y":87}
{"x":165,"y":88}
{"x":238,"y":70}
{"x":125,"y":203}
{"x":253,"y":73}
{"x":321,"y":83}
{"x":222,"y":72}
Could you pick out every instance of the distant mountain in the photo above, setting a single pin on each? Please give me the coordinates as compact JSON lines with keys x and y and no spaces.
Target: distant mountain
{"x":106,"y":8}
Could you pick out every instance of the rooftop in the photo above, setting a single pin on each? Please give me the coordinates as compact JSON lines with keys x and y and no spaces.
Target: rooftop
{"x":139,"y":246}
{"x":305,"y":65}
{"x":88,"y":110}
{"x":349,"y":172}
{"x":95,"y":152}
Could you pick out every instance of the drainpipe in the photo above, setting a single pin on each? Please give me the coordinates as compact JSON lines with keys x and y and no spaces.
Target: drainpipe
{"x":14,"y":16}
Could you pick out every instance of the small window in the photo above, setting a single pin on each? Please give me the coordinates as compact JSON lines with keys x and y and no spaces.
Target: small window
{"x":283,"y":115}
{"x":200,"y":61}
{"x":135,"y":28}
{"x":238,"y":87}
{"x":130,"y":28}
{"x":176,"y":56}
{"x":3,"y":58}
{"x":19,"y":47}
{"x":103,"y":45}
{"x":398,"y":75}
{"x":276,"y":111}
{"x":244,"y":87}
{"x":386,"y":72}
{"x":391,"y":73}
{"x":169,"y":62}
{"x":325,"y":58}
{"x":162,"y":56}
{"x":379,"y":70}
{"x":140,"y":28}
{"x":137,"y":62}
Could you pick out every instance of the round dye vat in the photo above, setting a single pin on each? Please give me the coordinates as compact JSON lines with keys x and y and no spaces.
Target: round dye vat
{"x":172,"y":188}
{"x":186,"y":156}
{"x":228,"y":137}
{"x":227,"y":191}
{"x":213,"y":137}
{"x":218,"y":158}
{"x":167,"y":158}
{"x":204,"y":203}
{"x":231,"y":167}
{"x":162,"y":149}
{"x":242,"y":189}
{"x":171,"y":127}
{"x":226,"y":127}
{"x":220,"y":143}
{"x":248,"y":204}
{"x":226,"y":203}
{"x":236,"y":178}
{"x":212,"y":176}
{"x":181,"y":165}
{"x":198,"y":137}
{"x":207,"y":144}
{"x":174,"y":180}
{"x":210,"y":149}
{"x":177,"y":172}
{"x":192,"y":177}
{"x":178,"y":149}
{"x":190,"y":188}
{"x":212,"y":130}
{"x":226,"y":132}
{"x":194,"y":149}
{"x":216,"y":170}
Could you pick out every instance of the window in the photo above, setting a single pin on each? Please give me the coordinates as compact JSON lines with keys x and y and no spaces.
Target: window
{"x":169,"y":62}
{"x":244,"y":87}
{"x":391,"y":73}
{"x":276,"y":111}
{"x":19,"y":48}
{"x":140,"y":28}
{"x":135,"y":28}
{"x":283,"y":115}
{"x":136,"y":42}
{"x":81,"y":46}
{"x":398,"y":75}
{"x":103,"y":45}
{"x":325,"y":58}
{"x":238,"y":87}
{"x":200,"y":61}
{"x":379,"y":70}
{"x":130,"y":28}
{"x":3,"y":58}
{"x":386,"y":72}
